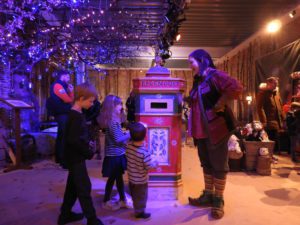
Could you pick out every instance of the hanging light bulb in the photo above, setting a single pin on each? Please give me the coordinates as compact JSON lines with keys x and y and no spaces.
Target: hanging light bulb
{"x":178,"y":37}
{"x":273,"y":26}
{"x":292,"y":13}
{"x":249,"y":99}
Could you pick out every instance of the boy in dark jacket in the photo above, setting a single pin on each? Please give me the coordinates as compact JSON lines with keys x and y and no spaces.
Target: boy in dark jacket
{"x":77,"y":150}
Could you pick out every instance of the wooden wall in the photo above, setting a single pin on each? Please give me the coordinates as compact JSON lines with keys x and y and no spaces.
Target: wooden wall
{"x":119,"y":82}
{"x":240,"y":62}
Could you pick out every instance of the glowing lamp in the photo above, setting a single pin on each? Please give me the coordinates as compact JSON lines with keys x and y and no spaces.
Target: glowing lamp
{"x":273,"y":26}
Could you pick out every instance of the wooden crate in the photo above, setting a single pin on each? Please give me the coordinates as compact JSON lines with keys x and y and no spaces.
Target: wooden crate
{"x":252,"y":151}
{"x":264,"y":165}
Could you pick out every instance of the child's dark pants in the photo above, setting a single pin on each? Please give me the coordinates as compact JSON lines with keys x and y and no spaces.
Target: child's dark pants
{"x":78,"y":186}
{"x":139,"y":194}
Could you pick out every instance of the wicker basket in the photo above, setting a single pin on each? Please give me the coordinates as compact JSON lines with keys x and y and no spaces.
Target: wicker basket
{"x":252,"y":151}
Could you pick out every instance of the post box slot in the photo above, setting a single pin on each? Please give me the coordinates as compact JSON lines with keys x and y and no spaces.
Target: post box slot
{"x":159,"y":105}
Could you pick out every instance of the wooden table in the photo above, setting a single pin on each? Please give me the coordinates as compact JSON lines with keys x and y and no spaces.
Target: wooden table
{"x":17,"y":105}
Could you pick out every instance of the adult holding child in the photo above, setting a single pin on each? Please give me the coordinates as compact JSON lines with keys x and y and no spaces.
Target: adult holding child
{"x":208,"y":127}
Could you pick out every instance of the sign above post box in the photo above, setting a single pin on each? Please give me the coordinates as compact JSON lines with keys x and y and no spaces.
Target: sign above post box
{"x":158,"y":77}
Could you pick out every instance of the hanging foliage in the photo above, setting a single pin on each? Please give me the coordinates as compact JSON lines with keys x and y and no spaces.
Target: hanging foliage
{"x":95,"y":32}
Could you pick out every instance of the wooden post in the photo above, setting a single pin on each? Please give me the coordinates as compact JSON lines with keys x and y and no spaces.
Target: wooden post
{"x":18,"y":137}
{"x":17,"y":105}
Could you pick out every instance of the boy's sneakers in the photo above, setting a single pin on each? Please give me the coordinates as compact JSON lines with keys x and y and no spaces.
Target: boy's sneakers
{"x":109,"y":205}
{"x":68,"y":218}
{"x":125,"y":204}
{"x":142,"y":215}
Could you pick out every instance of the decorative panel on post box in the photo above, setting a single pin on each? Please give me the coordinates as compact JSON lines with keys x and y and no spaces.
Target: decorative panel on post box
{"x":159,"y":105}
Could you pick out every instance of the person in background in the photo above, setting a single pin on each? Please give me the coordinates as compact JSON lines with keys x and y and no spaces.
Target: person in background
{"x":269,"y":109}
{"x":130,"y":106}
{"x":293,"y":96}
{"x":78,"y":149}
{"x":209,"y":130}
{"x":91,"y":115}
{"x":58,"y":105}
{"x":293,"y":124}
{"x":114,"y":163}
{"x":138,"y":163}
{"x":296,"y":96}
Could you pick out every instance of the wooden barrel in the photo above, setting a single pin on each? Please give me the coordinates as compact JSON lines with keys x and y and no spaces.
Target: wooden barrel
{"x":263,"y":166}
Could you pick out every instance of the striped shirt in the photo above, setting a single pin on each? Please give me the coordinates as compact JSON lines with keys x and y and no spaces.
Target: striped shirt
{"x":115,"y":140}
{"x":138,"y":163}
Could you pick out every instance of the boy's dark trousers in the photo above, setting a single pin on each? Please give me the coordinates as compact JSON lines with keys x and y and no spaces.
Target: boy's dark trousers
{"x":139,"y":194}
{"x":78,"y":186}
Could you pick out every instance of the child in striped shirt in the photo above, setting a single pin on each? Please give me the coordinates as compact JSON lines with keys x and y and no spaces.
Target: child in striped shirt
{"x":114,"y":163}
{"x":138,"y":163}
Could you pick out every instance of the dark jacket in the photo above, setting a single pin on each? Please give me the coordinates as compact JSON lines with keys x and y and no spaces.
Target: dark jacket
{"x":269,"y":109}
{"x":77,"y":141}
{"x":92,"y":113}
{"x":54,"y":104}
{"x":130,"y":105}
{"x":293,"y":122}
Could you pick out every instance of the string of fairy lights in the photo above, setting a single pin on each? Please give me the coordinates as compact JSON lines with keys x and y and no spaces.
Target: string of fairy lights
{"x":68,"y":31}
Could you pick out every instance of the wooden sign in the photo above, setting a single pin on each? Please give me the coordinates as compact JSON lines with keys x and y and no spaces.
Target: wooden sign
{"x":17,"y":103}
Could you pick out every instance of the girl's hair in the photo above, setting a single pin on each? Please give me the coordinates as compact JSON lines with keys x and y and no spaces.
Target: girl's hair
{"x":107,"y":110}
{"x":203,"y":58}
{"x":85,"y":90}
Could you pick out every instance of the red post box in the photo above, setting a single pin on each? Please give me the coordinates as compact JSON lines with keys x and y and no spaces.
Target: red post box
{"x":159,"y":105}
